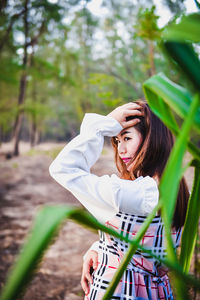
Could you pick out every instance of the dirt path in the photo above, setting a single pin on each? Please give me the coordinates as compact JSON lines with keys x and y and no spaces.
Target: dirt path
{"x":25,"y":185}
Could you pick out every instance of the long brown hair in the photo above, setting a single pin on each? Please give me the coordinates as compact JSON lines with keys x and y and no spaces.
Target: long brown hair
{"x":151,"y":157}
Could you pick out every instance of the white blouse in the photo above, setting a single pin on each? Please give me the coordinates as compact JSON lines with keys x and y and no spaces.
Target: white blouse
{"x":103,"y":196}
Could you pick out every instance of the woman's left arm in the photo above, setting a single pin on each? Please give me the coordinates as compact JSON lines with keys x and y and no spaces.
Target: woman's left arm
{"x":102,"y":196}
{"x":71,"y":168}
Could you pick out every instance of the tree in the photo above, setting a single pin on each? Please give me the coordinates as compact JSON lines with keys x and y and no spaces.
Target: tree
{"x":147,"y":28}
{"x":37,"y":18}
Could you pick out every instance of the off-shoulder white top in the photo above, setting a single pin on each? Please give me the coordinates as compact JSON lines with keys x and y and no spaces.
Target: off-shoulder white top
{"x":103,"y":196}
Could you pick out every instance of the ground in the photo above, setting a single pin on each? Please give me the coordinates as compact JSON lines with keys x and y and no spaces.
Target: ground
{"x":25,"y":185}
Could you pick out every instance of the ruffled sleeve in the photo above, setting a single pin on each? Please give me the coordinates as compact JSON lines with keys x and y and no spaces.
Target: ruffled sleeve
{"x":139,"y":196}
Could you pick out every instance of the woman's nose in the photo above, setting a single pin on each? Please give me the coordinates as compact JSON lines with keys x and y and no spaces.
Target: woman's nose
{"x":121,"y":148}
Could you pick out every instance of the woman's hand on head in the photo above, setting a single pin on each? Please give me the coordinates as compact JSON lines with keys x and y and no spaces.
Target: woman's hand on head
{"x":89,"y":263}
{"x":127,"y":110}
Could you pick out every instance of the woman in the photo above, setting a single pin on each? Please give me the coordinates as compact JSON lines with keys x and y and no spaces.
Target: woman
{"x":142,"y":145}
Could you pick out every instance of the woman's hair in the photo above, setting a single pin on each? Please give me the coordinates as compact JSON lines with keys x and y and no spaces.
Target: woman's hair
{"x":151,"y":157}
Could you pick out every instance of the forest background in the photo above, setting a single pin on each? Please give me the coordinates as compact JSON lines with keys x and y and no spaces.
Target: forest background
{"x":58,"y":60}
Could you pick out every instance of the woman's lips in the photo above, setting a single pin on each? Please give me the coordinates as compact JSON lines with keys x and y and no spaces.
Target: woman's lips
{"x":126,"y":159}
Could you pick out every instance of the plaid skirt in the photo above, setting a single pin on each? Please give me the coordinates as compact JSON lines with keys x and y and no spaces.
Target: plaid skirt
{"x":145,"y":278}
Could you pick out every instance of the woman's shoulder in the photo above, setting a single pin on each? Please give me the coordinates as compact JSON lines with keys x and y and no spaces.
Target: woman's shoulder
{"x":143,"y":181}
{"x":137,"y":196}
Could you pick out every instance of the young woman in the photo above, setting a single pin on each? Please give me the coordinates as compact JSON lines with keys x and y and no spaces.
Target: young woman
{"x":142,"y":145}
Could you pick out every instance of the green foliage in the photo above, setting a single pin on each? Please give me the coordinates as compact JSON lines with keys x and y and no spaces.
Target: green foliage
{"x":44,"y":229}
{"x":64,"y":59}
{"x":9,"y":70}
{"x":147,"y":24}
{"x":187,"y":60}
{"x":197,"y":3}
{"x":103,"y":83}
{"x":174,"y":166}
{"x":182,"y":53}
{"x":191,"y":228}
{"x":176,"y":96}
{"x":186,"y":28}
{"x":165,"y":98}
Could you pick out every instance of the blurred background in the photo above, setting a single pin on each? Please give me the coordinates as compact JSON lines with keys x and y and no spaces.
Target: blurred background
{"x":58,"y":60}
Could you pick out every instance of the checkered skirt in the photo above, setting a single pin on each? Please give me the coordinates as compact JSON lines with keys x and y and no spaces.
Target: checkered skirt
{"x":145,"y":278}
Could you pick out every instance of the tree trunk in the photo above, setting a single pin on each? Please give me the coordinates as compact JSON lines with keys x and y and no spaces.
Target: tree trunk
{"x":1,"y":135}
{"x":33,"y":132}
{"x":22,"y":88}
{"x":17,"y":134}
{"x":19,"y":118}
{"x":152,"y":70}
{"x":5,"y":37}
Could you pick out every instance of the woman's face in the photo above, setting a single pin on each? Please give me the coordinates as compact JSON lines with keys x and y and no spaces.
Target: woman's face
{"x":128,"y":141}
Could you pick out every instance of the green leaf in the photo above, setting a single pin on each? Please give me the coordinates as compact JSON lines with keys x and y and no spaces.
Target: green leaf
{"x":45,"y":227}
{"x":163,"y":95}
{"x":169,"y":186}
{"x":197,"y":3}
{"x":187,"y":60}
{"x":190,"y":228}
{"x":162,"y":110}
{"x":185,"y":28}
{"x":177,"y":97}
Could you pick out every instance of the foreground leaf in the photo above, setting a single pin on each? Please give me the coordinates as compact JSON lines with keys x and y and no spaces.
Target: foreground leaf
{"x":163,"y":96}
{"x":187,"y":60}
{"x":169,"y":186}
{"x":46,"y":225}
{"x":190,"y":229}
{"x":174,"y":95}
{"x":186,"y":28}
{"x":44,"y":229}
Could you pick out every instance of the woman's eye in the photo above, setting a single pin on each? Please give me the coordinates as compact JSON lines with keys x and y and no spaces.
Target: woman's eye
{"x":127,"y":138}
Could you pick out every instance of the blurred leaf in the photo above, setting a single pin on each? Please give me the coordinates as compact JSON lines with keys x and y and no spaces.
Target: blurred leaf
{"x":100,"y":79}
{"x":9,"y":71}
{"x":187,"y":28}
{"x":46,"y":224}
{"x":169,"y":185}
{"x":147,"y":26}
{"x":163,"y":95}
{"x":190,"y":228}
{"x":177,"y":97}
{"x":187,"y":60}
{"x":107,"y":94}
{"x":112,"y":102}
{"x":197,"y":3}
{"x":43,"y":69}
{"x":45,"y":227}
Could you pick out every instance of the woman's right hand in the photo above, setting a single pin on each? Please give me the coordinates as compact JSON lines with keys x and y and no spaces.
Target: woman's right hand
{"x":90,"y":262}
{"x":122,"y":112}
